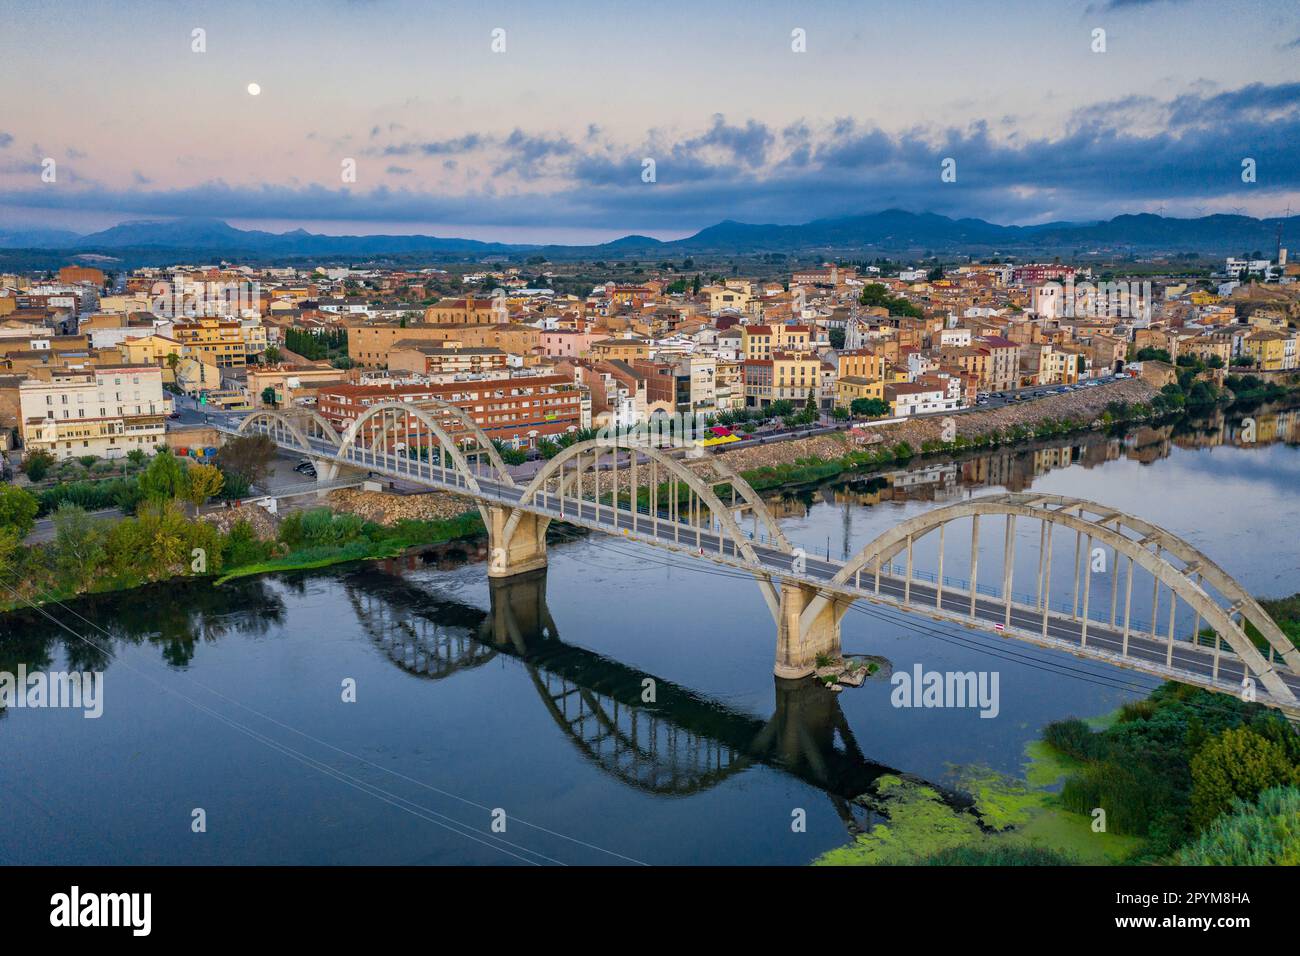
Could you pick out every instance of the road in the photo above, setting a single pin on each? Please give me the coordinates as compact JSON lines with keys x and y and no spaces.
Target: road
{"x":1057,"y":630}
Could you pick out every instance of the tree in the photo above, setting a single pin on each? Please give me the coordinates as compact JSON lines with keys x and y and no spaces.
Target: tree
{"x":1238,"y":764}
{"x":271,"y":355}
{"x":510,"y":455}
{"x":164,"y":479}
{"x":77,"y":553}
{"x":203,"y":482}
{"x":18,"y":509}
{"x":247,"y":458}
{"x":268,"y":396}
{"x":12,"y":554}
{"x":869,"y":407}
{"x":811,"y":410}
{"x":37,"y":464}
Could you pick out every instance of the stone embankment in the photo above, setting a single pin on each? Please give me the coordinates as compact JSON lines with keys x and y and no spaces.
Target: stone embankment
{"x":1084,"y":406}
{"x":383,"y":508}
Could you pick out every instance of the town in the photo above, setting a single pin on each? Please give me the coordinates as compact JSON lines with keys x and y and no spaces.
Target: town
{"x":97,"y":365}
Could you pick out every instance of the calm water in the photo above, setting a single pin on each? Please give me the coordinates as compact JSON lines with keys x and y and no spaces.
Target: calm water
{"x":528,"y":698}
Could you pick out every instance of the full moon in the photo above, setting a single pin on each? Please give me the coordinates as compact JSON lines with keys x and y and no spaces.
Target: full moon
{"x":254,"y":89}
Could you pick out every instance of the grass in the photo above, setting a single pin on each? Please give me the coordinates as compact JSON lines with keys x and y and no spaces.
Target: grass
{"x":378,"y":541}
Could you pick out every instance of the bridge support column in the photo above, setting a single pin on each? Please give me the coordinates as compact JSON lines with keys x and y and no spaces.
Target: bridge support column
{"x":326,"y":471}
{"x":796,"y":653}
{"x":524,"y":551}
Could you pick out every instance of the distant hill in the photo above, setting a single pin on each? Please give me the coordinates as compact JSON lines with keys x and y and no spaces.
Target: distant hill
{"x":892,"y":231}
{"x":36,"y":238}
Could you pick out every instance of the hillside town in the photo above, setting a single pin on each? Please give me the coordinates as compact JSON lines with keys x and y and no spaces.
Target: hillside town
{"x":91,"y":361}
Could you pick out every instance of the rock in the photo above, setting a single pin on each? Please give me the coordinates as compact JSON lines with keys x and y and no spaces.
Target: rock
{"x":384,"y":508}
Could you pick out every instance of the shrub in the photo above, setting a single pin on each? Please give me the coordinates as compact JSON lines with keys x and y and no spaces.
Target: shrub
{"x":320,"y":528}
{"x":1265,"y":833}
{"x":37,"y":464}
{"x":244,"y":547}
{"x":1071,"y":737}
{"x":1238,"y":764}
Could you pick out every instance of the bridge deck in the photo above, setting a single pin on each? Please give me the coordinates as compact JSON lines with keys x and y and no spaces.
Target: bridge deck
{"x":1082,"y":636}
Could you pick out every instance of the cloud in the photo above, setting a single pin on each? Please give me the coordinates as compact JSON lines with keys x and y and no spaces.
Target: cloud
{"x":1123,"y":155}
{"x":1115,"y":5}
{"x":5,"y":139}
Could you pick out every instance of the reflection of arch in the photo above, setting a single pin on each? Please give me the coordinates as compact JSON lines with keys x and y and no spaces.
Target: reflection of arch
{"x":568,"y":469}
{"x":413,"y":642}
{"x":1111,"y":528}
{"x":807,"y":736}
{"x":636,"y":745}
{"x":366,"y":442}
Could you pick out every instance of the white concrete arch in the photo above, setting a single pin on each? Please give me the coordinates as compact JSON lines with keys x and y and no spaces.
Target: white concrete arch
{"x":1068,"y":514}
{"x":673,"y":468}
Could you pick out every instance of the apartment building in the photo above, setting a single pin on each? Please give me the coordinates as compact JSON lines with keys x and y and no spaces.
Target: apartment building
{"x":760,"y":341}
{"x":1272,"y":351}
{"x":225,"y":343}
{"x":106,"y":411}
{"x":518,"y":409}
{"x":428,"y":359}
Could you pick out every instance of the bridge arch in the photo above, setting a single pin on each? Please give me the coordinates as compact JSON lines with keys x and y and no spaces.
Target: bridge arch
{"x":295,"y":429}
{"x":1101,"y":524}
{"x":574,"y":464}
{"x":365,"y":444}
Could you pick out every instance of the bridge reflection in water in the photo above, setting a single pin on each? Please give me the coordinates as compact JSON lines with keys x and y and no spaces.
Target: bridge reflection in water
{"x":677,"y":744}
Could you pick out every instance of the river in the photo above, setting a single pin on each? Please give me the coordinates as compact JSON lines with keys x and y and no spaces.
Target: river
{"x":617,"y":708}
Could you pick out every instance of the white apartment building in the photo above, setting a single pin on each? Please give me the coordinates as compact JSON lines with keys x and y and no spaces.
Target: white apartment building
{"x":105,"y":411}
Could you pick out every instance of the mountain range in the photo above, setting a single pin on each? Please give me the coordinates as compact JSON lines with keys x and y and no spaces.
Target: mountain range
{"x":892,"y":231}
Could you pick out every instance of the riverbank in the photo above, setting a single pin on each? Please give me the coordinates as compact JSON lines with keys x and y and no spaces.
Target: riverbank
{"x":771,"y":467}
{"x":1177,"y":778}
{"x":161,"y":542}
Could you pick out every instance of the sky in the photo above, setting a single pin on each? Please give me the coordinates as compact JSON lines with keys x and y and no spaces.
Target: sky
{"x":543,"y":121}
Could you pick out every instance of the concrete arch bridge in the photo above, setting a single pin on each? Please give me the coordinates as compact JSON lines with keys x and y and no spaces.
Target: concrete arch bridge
{"x":1139,"y":596}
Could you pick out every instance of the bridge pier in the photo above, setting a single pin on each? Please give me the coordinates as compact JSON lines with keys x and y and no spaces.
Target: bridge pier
{"x":522,"y":551}
{"x":796,"y":652}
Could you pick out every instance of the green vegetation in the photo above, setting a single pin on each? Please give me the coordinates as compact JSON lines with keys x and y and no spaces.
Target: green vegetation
{"x":1169,"y":766}
{"x":1263,"y":833}
{"x":1185,"y":776}
{"x":999,"y":854}
{"x":37,"y":464}
{"x":869,"y":408}
{"x":17,"y":510}
{"x":509,"y":454}
{"x":320,"y":537}
{"x":323,"y":346}
{"x":875,"y":295}
{"x":1251,"y":389}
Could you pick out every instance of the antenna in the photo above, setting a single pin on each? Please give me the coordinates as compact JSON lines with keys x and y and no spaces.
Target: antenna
{"x":1278,"y":260}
